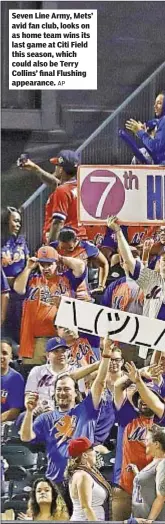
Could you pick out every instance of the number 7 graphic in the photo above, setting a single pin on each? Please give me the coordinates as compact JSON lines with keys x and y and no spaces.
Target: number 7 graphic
{"x":110,"y":181}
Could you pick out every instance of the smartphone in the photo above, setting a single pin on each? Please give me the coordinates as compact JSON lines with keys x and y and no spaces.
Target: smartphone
{"x":22,"y":159}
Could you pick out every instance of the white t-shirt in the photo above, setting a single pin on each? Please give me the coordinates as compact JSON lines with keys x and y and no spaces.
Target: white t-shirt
{"x":41,"y":380}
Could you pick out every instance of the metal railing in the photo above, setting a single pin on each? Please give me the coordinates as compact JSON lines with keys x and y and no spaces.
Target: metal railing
{"x":104,"y":146}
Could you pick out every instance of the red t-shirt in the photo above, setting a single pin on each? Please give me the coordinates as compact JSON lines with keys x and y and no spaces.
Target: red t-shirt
{"x":134,"y":450}
{"x":62,"y":204}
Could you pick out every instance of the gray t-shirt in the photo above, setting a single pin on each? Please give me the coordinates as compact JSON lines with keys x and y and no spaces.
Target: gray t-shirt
{"x":148,"y":483}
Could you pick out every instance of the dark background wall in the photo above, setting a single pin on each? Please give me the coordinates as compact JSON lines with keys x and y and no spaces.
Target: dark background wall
{"x":131,"y":45}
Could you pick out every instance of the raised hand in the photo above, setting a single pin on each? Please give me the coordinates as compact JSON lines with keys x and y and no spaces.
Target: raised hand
{"x":112,"y":223}
{"x":133,"y":372}
{"x":31,"y":401}
{"x":134,"y":126}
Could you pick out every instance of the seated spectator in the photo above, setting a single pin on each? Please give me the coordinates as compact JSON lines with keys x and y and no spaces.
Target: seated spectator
{"x":150,"y":128}
{"x":5,"y":289}
{"x":14,"y":254}
{"x":12,"y":386}
{"x":69,"y":245}
{"x":155,"y":146}
{"x":43,"y":287}
{"x":67,"y":420}
{"x":124,"y":294}
{"x":41,"y":379}
{"x":150,"y":281}
{"x":148,"y":497}
{"x":89,"y":491}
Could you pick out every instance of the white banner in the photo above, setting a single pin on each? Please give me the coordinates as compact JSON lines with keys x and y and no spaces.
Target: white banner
{"x":119,"y":325}
{"x":136,"y":194}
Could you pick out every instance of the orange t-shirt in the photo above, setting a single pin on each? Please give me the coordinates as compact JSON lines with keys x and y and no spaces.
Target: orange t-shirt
{"x":40,"y":308}
{"x":134,"y":450}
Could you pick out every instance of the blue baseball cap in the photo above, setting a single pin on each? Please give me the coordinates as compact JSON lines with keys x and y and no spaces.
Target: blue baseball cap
{"x":56,"y":343}
{"x":67,"y":159}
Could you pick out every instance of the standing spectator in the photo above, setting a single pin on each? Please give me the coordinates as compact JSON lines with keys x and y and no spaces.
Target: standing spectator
{"x":148,"y":497}
{"x":150,"y":281}
{"x":43,"y":288}
{"x":12,"y":386}
{"x":115,"y":371}
{"x":124,"y":294}
{"x":69,"y":420}
{"x":155,"y":146}
{"x":5,"y":289}
{"x":64,"y":199}
{"x":89,"y":491}
{"x":150,"y":128}
{"x":41,"y":379}
{"x":68,"y":244}
{"x":14,"y":254}
{"x":150,"y":397}
{"x":84,"y":348}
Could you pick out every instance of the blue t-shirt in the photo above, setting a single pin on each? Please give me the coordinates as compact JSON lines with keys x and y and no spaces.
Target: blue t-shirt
{"x":105,"y":419}
{"x":14,"y":255}
{"x":12,"y":390}
{"x":55,"y":429}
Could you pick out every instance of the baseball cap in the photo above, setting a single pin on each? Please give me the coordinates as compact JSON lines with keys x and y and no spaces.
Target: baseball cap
{"x":47,"y":254}
{"x":55,"y":343}
{"x":78,"y":446}
{"x":67,"y":159}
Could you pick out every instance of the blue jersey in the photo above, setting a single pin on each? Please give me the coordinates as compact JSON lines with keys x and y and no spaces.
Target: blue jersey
{"x":124,"y":294}
{"x":56,"y":428}
{"x":155,"y":146}
{"x":12,"y":390}
{"x":4,"y":283}
{"x":105,"y":419}
{"x":14,"y":255}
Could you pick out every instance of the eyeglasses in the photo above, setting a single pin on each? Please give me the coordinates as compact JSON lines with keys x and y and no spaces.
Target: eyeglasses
{"x":115,"y":359}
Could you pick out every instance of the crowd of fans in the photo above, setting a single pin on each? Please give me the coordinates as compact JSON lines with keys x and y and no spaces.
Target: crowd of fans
{"x":82,"y":418}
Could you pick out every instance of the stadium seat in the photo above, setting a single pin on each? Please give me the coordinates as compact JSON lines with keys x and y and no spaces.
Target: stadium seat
{"x":19,"y":455}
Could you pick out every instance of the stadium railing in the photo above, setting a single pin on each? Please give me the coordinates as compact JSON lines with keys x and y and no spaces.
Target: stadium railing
{"x":103,"y":146}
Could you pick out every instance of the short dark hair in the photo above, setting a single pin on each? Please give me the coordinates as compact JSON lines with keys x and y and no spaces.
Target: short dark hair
{"x":33,"y":504}
{"x":67,"y":234}
{"x":67,"y":375}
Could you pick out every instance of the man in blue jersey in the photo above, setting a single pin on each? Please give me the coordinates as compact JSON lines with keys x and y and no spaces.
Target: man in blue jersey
{"x":12,"y":386}
{"x":69,"y":420}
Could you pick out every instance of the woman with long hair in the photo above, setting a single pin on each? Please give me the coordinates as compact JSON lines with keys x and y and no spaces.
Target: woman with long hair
{"x":14,"y":255}
{"x":148,"y":498}
{"x":45,"y":503}
{"x":89,"y":491}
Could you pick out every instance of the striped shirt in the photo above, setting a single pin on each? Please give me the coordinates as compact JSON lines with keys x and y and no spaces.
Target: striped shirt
{"x":153,"y":285}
